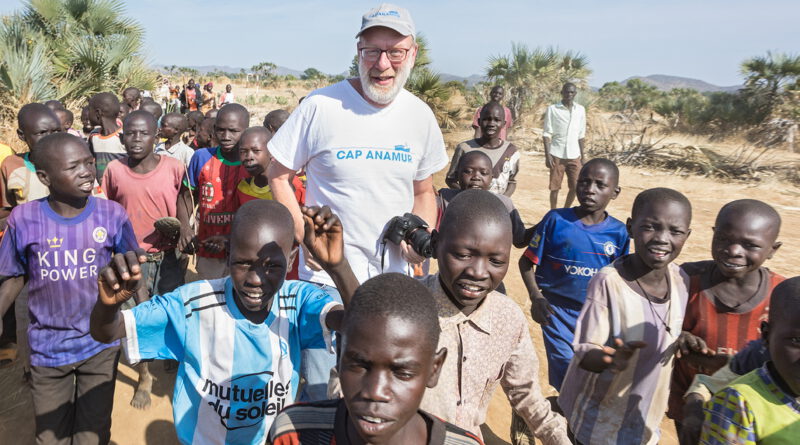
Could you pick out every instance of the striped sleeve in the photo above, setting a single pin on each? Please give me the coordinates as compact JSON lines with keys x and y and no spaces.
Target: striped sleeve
{"x":728,"y":420}
{"x":155,"y":329}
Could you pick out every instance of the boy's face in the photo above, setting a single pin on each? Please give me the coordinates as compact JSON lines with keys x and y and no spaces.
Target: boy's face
{"x":783,"y":341}
{"x":63,"y":117}
{"x":86,"y":122}
{"x":259,"y":259}
{"x":253,"y":153}
{"x":169,"y":128}
{"x":473,"y":260}
{"x":384,"y":369}
{"x":659,"y":232}
{"x":131,"y":97}
{"x":228,"y":88}
{"x":596,"y":187}
{"x":138,"y":137}
{"x":497,"y":94}
{"x":205,"y":133}
{"x":228,"y":129}
{"x":492,"y":121}
{"x":741,"y":245}
{"x":37,"y":127}
{"x":475,"y":173}
{"x":70,"y":171}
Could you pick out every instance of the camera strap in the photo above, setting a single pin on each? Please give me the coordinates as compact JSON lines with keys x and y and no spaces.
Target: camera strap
{"x":383,"y":252}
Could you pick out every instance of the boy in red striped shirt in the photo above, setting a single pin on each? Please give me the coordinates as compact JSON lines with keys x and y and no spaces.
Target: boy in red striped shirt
{"x":728,"y":299}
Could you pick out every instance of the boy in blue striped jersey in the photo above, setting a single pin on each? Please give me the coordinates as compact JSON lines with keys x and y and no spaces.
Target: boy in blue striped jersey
{"x":238,"y":339}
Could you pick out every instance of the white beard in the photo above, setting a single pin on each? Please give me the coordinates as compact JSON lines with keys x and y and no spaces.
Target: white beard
{"x":384,"y":95}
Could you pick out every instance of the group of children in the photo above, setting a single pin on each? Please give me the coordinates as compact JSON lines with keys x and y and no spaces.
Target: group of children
{"x":628,"y":336}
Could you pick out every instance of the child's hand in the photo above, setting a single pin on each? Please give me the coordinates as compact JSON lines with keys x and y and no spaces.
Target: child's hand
{"x":618,"y":355}
{"x":541,"y":310}
{"x":186,"y":241}
{"x":688,"y":343}
{"x":323,"y":236}
{"x":215,"y":243}
{"x":119,"y":281}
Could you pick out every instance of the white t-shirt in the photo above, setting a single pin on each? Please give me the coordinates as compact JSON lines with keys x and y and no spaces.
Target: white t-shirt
{"x":361,"y":161}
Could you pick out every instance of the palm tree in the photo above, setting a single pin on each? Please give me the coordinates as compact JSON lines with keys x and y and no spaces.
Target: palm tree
{"x":426,"y":85}
{"x":768,"y":80}
{"x":25,"y":68}
{"x":88,"y":46}
{"x":532,"y":76}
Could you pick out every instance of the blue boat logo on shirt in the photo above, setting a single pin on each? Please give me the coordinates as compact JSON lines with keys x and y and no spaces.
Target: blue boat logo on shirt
{"x":609,"y":248}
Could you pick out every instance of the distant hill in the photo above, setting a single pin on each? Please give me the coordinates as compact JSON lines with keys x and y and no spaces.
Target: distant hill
{"x":471,"y":80}
{"x":205,"y":69}
{"x":661,"y":81}
{"x":666,"y":83}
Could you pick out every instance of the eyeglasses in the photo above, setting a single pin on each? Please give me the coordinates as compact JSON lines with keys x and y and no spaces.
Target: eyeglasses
{"x":373,"y":54}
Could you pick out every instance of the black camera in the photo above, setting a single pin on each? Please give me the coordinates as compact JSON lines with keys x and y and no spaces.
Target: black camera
{"x":410,"y":228}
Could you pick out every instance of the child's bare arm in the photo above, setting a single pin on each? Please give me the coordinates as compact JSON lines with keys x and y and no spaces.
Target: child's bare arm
{"x":184,"y":214}
{"x":540,"y":308}
{"x":324,"y":239}
{"x":116,"y":283}
{"x":616,"y":356}
{"x":280,"y":179}
{"x":9,"y":290}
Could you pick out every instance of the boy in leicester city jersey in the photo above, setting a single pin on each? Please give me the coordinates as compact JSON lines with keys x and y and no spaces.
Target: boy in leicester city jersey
{"x":570,"y":245}
{"x":238,"y":339}
{"x":57,"y":245}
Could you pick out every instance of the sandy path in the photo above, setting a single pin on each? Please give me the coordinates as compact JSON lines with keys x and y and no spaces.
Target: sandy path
{"x":154,"y":426}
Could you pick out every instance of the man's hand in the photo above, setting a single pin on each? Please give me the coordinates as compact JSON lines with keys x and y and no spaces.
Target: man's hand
{"x":323,"y":236}
{"x":119,"y":281}
{"x":689,"y":343}
{"x":618,"y":355}
{"x":541,"y":310}
{"x":215,"y":243}
{"x":409,"y":254}
{"x":548,"y":161}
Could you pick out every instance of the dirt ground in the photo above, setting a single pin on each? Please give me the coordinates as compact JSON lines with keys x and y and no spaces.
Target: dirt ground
{"x":154,"y":426}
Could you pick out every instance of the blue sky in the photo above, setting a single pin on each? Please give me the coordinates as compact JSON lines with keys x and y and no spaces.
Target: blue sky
{"x":701,"y":39}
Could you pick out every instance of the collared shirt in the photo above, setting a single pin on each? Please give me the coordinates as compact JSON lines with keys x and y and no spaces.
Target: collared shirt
{"x":565,"y":127}
{"x":491,"y":346}
{"x":179,"y":151}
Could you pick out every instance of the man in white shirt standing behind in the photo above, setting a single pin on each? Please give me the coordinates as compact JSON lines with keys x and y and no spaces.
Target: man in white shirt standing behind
{"x":564,"y":133}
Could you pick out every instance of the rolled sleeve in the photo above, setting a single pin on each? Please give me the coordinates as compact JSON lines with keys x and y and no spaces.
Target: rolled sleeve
{"x":593,"y":328}
{"x":547,"y":131}
{"x":520,"y":382}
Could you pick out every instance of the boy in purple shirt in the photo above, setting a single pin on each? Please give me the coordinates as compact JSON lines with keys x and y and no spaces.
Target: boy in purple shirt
{"x":57,"y":244}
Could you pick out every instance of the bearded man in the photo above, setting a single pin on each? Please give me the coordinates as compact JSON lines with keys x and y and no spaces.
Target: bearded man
{"x":369,"y":149}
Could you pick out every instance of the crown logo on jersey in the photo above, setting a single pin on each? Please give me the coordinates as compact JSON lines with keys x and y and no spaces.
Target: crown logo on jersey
{"x":54,"y":242}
